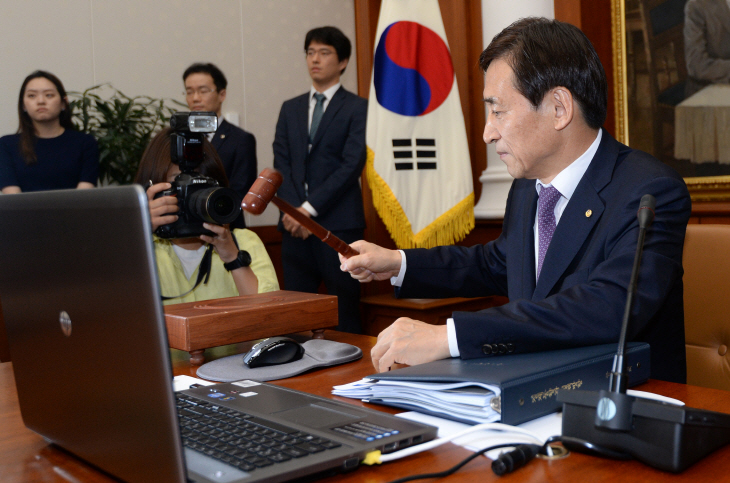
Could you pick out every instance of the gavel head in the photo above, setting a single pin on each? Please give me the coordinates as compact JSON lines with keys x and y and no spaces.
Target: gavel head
{"x":262,"y":191}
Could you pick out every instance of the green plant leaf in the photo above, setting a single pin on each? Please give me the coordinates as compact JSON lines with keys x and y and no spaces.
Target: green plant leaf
{"x":122,"y":126}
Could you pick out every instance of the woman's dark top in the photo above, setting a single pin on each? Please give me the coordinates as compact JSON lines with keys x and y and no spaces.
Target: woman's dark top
{"x":63,"y":162}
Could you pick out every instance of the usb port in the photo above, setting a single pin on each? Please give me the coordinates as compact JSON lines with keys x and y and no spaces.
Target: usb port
{"x":390,"y":447}
{"x":417,"y":439}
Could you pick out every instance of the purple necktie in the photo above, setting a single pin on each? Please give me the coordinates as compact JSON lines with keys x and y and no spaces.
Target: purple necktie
{"x":549,"y":197}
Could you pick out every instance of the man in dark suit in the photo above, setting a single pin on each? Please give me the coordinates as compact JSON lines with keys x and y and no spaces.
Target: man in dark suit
{"x":319,"y":148}
{"x":205,"y":90}
{"x":568,"y":241}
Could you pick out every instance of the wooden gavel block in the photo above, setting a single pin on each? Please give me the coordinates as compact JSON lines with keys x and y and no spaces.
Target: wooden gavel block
{"x":263,"y":191}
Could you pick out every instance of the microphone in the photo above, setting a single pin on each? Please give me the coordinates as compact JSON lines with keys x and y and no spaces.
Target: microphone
{"x":646,"y":212}
{"x":661,"y":435}
{"x":619,"y":379}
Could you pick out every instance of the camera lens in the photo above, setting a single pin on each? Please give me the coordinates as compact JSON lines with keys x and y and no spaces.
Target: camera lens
{"x":222,"y":206}
{"x":215,"y":205}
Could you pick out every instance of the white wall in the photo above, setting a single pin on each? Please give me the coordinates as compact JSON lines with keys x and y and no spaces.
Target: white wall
{"x":496,"y":181}
{"x":498,"y":14}
{"x":142,"y":47}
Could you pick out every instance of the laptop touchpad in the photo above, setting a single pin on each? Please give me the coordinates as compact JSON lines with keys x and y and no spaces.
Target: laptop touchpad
{"x":317,"y":415}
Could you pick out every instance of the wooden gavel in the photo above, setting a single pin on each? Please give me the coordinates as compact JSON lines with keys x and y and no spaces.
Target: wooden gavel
{"x":263,"y":191}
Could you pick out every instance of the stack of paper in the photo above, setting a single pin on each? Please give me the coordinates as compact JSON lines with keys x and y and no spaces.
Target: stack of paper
{"x":466,"y":401}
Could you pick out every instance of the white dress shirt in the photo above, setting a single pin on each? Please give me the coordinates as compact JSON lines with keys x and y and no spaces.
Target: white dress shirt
{"x":565,"y":182}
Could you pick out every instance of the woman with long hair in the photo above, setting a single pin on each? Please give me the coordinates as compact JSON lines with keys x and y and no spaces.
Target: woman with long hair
{"x":181,"y":260}
{"x":46,"y":153}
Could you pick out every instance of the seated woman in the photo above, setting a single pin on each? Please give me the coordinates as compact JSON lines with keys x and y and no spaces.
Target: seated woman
{"x":179,"y":261}
{"x":46,"y":153}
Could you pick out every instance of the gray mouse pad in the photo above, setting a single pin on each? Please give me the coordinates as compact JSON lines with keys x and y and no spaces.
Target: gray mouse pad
{"x":317,"y":353}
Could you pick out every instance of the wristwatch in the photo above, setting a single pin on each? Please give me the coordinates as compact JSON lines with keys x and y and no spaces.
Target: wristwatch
{"x":242,"y":260}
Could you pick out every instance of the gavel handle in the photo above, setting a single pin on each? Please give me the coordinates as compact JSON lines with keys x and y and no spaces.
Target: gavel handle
{"x":317,"y":230}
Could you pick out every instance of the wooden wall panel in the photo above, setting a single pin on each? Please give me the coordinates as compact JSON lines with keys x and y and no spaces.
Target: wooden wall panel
{"x":593,"y":17}
{"x":568,"y":11}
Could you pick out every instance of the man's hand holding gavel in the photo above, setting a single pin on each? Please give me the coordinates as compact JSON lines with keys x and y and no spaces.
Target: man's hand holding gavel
{"x":373,"y":263}
{"x":405,"y":341}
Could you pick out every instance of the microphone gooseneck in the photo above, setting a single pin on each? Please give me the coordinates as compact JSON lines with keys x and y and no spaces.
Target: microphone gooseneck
{"x":645,"y":215}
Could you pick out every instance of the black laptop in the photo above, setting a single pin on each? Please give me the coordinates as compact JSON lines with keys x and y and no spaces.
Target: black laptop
{"x":86,"y":331}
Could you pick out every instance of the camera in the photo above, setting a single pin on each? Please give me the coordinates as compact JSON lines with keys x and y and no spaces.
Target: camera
{"x":200,"y":198}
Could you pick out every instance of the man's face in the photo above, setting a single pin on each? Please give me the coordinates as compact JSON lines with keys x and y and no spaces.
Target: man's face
{"x":524,"y":136}
{"x":201,"y":94}
{"x":324,"y":68}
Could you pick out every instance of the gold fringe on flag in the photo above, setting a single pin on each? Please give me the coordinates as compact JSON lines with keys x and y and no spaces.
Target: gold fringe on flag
{"x":447,"y":229}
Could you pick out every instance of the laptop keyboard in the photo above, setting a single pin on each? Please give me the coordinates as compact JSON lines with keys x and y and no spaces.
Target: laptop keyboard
{"x":241,"y":440}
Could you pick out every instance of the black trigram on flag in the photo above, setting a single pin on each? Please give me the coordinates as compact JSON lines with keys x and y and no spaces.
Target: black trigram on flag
{"x":424,"y":154}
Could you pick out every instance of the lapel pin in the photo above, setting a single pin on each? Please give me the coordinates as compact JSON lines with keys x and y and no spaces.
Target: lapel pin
{"x":223,"y":136}
{"x":589,"y":213}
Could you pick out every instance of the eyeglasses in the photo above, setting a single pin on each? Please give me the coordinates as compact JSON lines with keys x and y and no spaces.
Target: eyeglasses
{"x":324,"y":53}
{"x":202,"y":92}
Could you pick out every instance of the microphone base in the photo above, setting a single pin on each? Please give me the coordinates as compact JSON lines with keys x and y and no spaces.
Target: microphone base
{"x":663,"y":436}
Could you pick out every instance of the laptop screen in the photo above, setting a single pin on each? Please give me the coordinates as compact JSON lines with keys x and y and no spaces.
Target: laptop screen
{"x":84,"y":322}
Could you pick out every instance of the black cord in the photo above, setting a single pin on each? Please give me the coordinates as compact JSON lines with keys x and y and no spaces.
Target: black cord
{"x":455,"y":468}
{"x":521,"y":455}
{"x":515,"y":459}
{"x":583,"y":446}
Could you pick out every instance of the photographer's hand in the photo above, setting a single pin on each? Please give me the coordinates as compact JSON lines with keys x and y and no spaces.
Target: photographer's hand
{"x":161,"y":208}
{"x":222,"y":242}
{"x":244,"y":278}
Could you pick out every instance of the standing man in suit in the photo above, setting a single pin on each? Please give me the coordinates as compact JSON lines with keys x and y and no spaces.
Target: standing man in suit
{"x":565,"y":254}
{"x":205,"y":90}
{"x":319,"y":148}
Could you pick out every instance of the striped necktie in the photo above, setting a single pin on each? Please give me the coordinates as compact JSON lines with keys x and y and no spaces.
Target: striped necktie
{"x":316,"y":115}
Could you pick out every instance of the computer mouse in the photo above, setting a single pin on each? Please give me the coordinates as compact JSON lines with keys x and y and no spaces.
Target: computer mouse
{"x":272,"y":351}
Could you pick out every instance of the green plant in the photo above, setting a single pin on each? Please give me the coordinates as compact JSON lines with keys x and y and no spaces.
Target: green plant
{"x":122,"y":126}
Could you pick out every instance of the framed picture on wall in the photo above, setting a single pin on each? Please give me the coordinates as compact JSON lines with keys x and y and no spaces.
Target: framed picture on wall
{"x":662,"y":104}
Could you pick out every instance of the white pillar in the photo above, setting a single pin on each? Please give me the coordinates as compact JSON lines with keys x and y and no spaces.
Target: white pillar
{"x":496,"y":181}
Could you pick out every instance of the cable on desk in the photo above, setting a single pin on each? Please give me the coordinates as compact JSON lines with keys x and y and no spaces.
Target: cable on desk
{"x":519,"y":456}
{"x":508,"y":461}
{"x":455,"y":468}
{"x":504,"y":428}
{"x":588,"y":447}
{"x":515,"y":459}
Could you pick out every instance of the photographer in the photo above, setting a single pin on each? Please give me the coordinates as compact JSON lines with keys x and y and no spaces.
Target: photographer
{"x":179,"y":260}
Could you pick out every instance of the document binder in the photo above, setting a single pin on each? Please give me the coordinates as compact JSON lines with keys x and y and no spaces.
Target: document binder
{"x":529,"y":383}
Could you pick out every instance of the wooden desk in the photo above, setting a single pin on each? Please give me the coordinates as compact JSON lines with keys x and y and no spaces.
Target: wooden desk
{"x":379,"y":311}
{"x":26,"y":457}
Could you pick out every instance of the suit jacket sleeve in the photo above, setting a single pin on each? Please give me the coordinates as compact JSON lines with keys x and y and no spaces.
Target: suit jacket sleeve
{"x":283,"y":159}
{"x":244,"y":167}
{"x":586,"y":306}
{"x":474,"y":271}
